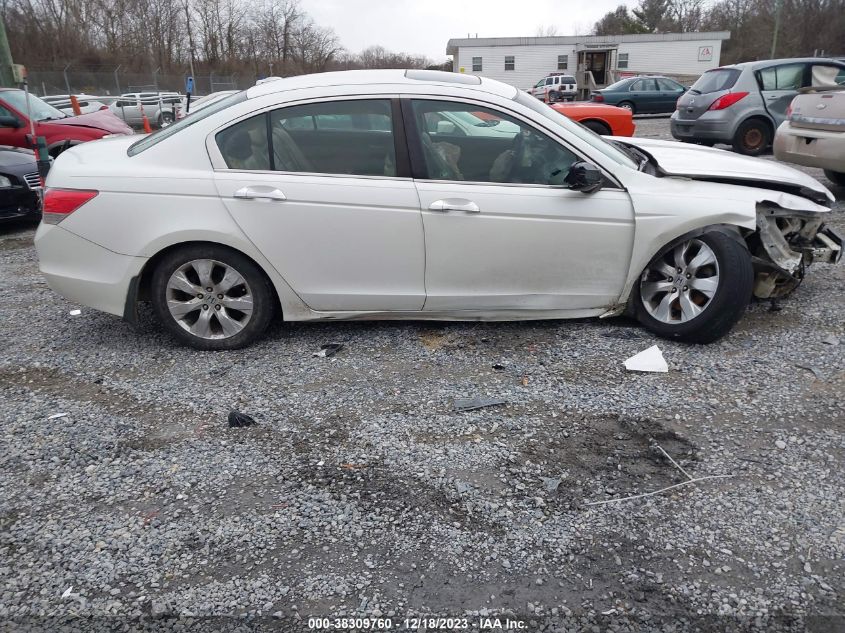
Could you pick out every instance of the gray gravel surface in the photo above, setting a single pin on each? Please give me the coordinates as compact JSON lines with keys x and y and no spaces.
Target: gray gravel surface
{"x":361,"y":492}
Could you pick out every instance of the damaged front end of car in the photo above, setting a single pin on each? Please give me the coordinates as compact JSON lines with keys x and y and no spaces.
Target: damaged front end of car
{"x":785,"y":243}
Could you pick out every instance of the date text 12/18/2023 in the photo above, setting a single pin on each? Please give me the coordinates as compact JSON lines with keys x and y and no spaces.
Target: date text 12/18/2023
{"x":377,"y":625}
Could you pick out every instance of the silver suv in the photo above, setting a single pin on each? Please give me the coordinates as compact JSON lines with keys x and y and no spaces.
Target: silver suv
{"x":743,"y":104}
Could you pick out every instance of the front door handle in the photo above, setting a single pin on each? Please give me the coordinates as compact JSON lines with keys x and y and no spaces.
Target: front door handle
{"x":455,"y":204}
{"x":251,"y":193}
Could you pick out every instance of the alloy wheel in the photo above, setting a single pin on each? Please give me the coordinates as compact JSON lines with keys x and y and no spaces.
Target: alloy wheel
{"x":681,"y":284}
{"x":209,"y":299}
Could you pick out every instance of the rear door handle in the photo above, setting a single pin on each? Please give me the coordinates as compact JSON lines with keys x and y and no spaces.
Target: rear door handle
{"x":252,"y":193}
{"x":455,"y":204}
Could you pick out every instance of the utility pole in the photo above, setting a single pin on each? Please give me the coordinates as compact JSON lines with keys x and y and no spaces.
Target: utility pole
{"x":778,"y":7}
{"x":7,"y":76}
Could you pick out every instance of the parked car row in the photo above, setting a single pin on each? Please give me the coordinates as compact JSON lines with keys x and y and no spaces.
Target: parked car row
{"x":743,"y":104}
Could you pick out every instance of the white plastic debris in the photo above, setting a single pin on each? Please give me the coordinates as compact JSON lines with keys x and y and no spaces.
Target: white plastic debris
{"x":57,"y":415}
{"x":75,"y":312}
{"x":647,"y":360}
{"x":68,"y":592}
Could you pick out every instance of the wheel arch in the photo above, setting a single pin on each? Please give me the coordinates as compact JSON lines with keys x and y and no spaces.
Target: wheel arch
{"x":601,"y":122}
{"x":733,"y":231}
{"x":140,"y":286}
{"x":757,"y":116}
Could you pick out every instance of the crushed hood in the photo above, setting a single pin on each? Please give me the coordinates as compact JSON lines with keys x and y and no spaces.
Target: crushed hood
{"x":99,"y":120}
{"x":706,"y":163}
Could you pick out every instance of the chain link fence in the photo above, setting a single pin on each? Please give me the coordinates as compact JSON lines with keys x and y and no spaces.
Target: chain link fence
{"x":104,"y":83}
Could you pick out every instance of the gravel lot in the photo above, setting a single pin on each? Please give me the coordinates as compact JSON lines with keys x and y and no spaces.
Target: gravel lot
{"x":360,"y":492}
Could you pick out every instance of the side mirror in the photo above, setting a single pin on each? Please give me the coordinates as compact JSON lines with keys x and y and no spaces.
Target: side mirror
{"x":445,"y":127}
{"x":584,"y":177}
{"x":10,"y":121}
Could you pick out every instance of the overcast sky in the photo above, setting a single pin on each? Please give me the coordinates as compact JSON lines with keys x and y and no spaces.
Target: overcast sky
{"x":424,"y":26}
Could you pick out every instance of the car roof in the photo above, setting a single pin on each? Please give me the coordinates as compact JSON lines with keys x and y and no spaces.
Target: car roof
{"x":411,"y":77}
{"x":765,"y":63}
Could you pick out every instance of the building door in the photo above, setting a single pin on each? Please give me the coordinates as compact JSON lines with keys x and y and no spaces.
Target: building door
{"x":596,"y":62}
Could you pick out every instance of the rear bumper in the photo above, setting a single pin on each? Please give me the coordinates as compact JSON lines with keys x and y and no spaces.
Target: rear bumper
{"x":813,"y":148}
{"x":84,"y":272}
{"x":701,"y":129}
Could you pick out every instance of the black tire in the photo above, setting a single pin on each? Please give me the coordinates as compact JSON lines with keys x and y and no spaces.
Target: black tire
{"x":733,"y":293}
{"x":261,"y":289}
{"x":165,"y":118}
{"x":752,"y":137}
{"x":554,"y":96}
{"x":627,"y":105}
{"x":836,"y":177}
{"x":598,"y":127}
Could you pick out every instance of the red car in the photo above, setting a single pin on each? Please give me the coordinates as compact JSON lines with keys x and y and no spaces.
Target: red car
{"x":58,"y":128}
{"x":602,"y":119}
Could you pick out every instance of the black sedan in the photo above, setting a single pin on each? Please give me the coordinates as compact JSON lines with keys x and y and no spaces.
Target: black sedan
{"x":20,"y":185}
{"x":642,"y":95}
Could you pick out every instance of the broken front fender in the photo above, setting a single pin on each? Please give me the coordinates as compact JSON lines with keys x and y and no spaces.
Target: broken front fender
{"x":786,"y":242}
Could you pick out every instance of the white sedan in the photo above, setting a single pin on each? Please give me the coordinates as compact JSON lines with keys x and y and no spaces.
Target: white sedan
{"x":345,"y":196}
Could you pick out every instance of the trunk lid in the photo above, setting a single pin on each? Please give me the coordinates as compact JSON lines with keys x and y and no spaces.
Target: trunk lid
{"x":820,"y":109}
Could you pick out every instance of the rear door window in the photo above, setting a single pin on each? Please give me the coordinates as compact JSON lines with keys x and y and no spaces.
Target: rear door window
{"x":335,"y":137}
{"x":786,"y":77}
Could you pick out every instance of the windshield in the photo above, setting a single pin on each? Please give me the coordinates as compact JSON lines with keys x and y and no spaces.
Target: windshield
{"x":39,"y":109}
{"x":166,"y":132}
{"x":715,"y":81}
{"x":596,"y":141}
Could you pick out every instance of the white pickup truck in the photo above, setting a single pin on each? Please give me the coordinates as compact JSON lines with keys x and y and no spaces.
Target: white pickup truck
{"x":555,"y":87}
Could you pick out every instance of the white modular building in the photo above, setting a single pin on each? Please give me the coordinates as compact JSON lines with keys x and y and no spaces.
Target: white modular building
{"x":523,"y":61}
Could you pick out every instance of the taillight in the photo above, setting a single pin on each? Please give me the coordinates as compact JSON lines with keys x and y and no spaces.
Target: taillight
{"x":726,"y":101}
{"x":60,"y":203}
{"x":789,"y":109}
{"x":598,"y":97}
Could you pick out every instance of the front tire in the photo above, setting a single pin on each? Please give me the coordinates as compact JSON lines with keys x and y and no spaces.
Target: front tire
{"x":211,"y":297}
{"x":697,"y":290}
{"x":836,"y":177}
{"x":752,"y":137}
{"x":598,"y":127}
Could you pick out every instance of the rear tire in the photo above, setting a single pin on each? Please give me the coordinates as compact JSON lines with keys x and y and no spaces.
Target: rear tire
{"x":702,"y":302}
{"x":752,"y":137}
{"x":836,"y":177}
{"x":165,"y":119}
{"x":598,"y":127}
{"x":554,"y":96}
{"x":211,"y":297}
{"x":627,"y":105}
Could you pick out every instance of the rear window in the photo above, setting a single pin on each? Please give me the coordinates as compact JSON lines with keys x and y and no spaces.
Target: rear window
{"x":166,"y":132}
{"x":716,"y":80}
{"x":567,"y":79}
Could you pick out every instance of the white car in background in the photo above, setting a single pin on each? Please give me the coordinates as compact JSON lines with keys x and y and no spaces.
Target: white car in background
{"x":556,"y":87}
{"x":326,"y":197}
{"x":87,"y":103}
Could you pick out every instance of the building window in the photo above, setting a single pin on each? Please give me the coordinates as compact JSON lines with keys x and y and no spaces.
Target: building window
{"x":509,"y":62}
{"x":622,"y":62}
{"x":562,"y":62}
{"x":476,"y":64}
